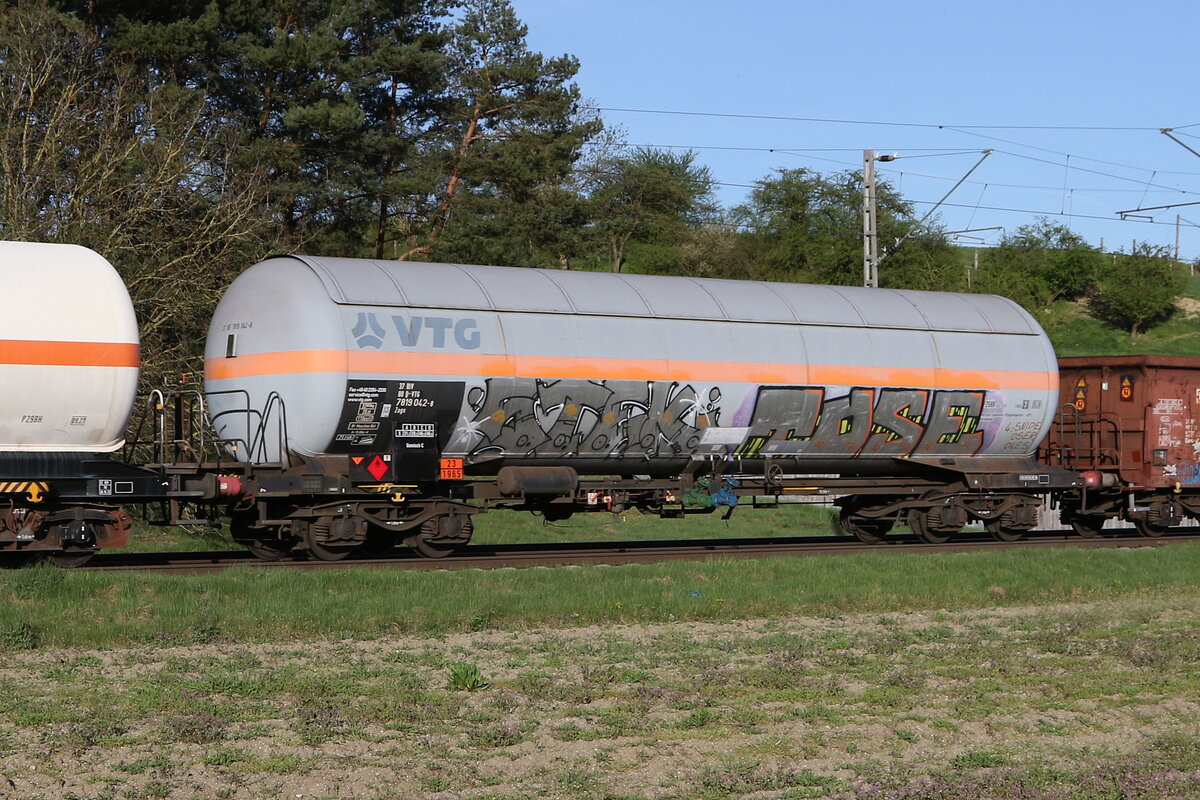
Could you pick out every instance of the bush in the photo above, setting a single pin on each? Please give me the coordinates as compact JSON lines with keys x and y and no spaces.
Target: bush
{"x":1139,"y":290}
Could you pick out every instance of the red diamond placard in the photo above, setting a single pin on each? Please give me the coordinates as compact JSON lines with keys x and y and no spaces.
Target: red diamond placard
{"x":378,"y":468}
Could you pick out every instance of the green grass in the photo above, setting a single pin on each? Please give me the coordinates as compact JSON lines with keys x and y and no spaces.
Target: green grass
{"x":1074,"y":333}
{"x":934,"y":706}
{"x":45,"y":606}
{"x":146,"y":538}
{"x":791,"y":519}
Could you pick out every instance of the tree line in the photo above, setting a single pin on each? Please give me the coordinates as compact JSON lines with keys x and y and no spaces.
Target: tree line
{"x":187,"y":140}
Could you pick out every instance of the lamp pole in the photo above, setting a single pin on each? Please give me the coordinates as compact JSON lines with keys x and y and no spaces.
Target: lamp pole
{"x":871,"y":255}
{"x":870,"y":232}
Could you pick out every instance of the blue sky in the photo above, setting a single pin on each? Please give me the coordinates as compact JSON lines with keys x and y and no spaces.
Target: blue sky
{"x":1070,"y":96}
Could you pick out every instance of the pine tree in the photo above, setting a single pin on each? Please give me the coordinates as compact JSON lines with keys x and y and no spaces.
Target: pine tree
{"x":506,"y":148}
{"x":329,"y":97}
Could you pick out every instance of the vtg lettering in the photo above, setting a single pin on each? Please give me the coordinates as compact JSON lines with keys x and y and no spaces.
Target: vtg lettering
{"x":434,"y":331}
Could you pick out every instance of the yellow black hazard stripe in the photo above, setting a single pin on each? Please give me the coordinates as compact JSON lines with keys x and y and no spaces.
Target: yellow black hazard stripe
{"x":34,"y":491}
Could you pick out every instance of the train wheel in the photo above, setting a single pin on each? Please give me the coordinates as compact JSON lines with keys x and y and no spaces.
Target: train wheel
{"x":269,"y":549}
{"x":71,"y":558}
{"x":1151,"y":530}
{"x":323,"y":550}
{"x":427,"y":548}
{"x":924,"y":527}
{"x":1157,"y":519}
{"x":262,"y":542}
{"x":78,"y":540}
{"x":870,"y":530}
{"x":1003,"y":532}
{"x":441,"y":536}
{"x":1088,"y":525}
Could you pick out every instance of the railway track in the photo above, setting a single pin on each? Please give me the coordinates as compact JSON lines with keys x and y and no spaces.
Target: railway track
{"x":501,"y":556}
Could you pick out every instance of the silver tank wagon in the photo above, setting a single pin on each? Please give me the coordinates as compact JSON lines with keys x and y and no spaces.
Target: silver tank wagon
{"x":436,"y":368}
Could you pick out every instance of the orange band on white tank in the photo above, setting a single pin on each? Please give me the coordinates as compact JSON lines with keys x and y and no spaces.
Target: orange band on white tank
{"x":450,"y":365}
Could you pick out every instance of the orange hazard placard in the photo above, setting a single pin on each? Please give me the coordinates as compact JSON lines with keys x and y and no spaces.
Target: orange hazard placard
{"x":451,"y":469}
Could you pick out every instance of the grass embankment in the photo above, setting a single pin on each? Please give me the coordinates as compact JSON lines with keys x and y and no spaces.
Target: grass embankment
{"x":1045,"y":675}
{"x":789,"y":519}
{"x":1055,"y":675}
{"x":55,"y":607}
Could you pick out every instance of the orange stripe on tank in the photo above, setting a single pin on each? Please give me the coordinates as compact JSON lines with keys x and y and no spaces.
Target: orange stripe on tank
{"x":281,"y":363}
{"x":373,"y":362}
{"x":69,"y":354}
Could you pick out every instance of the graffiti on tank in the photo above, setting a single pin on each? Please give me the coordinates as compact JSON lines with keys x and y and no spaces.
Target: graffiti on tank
{"x":953,"y":426}
{"x":801,"y":420}
{"x":608,"y":419}
{"x":898,"y":422}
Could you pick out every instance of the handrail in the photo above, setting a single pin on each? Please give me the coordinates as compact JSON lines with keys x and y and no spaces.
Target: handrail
{"x":175,"y":426}
{"x":259,"y":443}
{"x":1088,"y":441}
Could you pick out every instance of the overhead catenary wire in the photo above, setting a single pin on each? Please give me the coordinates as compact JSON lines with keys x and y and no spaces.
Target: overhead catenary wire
{"x":1141,"y":185}
{"x":1076,"y":156}
{"x":891,"y":123}
{"x":1070,"y":163}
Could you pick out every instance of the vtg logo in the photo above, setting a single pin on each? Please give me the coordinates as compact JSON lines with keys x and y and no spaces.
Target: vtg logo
{"x":415,"y":330}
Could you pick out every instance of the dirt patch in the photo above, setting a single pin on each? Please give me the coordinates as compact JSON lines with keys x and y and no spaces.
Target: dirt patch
{"x":1189,"y":306}
{"x":768,"y":708}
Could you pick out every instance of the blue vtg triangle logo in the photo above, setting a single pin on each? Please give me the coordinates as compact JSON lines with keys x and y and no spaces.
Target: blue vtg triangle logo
{"x":367,"y":331}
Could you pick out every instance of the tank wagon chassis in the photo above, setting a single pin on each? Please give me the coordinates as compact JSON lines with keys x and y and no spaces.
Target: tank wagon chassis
{"x":317,"y":506}
{"x":74,"y":505}
{"x":1090,"y":469}
{"x":332,"y":506}
{"x":274,"y":509}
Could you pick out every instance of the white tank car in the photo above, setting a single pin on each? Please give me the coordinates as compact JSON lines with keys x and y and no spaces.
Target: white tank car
{"x":68,"y":350}
{"x":615,"y":373}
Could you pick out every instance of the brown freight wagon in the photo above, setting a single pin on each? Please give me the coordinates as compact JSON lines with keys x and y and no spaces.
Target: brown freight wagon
{"x":1131,"y":425}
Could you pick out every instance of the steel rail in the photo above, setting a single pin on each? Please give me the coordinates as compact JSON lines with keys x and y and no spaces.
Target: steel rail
{"x":500,"y":556}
